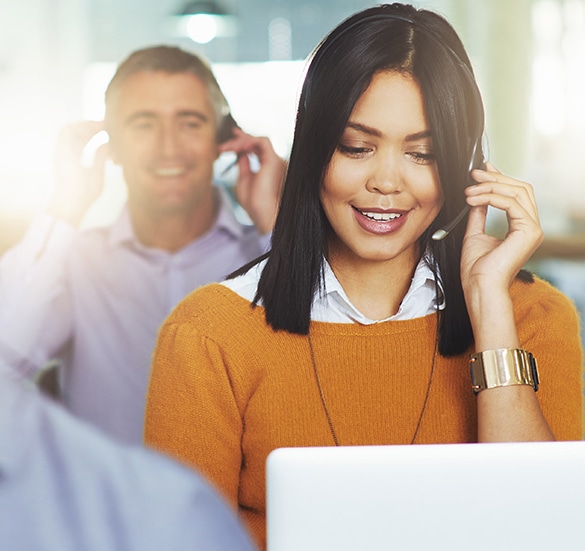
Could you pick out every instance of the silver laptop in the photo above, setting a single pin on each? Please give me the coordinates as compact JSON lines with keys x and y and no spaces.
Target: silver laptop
{"x":495,"y":497}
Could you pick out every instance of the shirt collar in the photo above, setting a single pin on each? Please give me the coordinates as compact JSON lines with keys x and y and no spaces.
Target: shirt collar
{"x":333,"y":304}
{"x":122,"y":231}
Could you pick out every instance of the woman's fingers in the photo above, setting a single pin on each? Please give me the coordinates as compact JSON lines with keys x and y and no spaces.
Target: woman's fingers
{"x":503,"y":192}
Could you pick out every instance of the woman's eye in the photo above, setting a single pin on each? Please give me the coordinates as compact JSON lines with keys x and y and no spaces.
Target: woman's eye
{"x":422,"y":158}
{"x":352,"y":151}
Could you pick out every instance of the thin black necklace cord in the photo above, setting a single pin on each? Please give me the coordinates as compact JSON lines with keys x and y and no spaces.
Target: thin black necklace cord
{"x":431,"y":376}
{"x":323,"y":402}
{"x":427,"y":395}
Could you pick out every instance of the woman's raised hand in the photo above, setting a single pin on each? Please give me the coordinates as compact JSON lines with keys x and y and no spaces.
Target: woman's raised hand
{"x":490,"y":259}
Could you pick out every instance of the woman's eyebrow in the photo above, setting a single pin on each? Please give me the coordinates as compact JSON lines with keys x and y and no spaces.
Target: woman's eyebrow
{"x":364,"y":128}
{"x":418,"y":136}
{"x":371,"y":131}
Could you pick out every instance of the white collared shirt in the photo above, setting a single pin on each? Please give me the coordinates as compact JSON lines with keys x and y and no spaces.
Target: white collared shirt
{"x":334,"y":306}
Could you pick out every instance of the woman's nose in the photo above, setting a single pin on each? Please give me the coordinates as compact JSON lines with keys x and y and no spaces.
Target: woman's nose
{"x":385,"y":177}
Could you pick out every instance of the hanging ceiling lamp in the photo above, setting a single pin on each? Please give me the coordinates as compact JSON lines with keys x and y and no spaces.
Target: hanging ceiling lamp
{"x":204,"y":20}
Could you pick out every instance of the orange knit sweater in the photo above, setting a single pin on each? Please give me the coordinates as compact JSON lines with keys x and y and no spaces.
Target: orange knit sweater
{"x":226,"y":390}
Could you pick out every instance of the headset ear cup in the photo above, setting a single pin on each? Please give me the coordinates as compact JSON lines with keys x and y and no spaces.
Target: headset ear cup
{"x":226,"y":130}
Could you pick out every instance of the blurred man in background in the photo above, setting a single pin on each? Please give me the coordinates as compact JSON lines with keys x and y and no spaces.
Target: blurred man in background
{"x":95,"y":299}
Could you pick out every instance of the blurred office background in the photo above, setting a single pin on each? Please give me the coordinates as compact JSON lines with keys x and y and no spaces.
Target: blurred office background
{"x":56,"y":57}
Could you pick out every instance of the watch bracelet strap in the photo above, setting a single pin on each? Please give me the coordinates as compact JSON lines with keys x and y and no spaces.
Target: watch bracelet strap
{"x":503,"y":367}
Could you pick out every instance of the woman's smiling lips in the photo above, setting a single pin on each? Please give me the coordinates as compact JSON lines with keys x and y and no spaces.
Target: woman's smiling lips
{"x":380,"y":221}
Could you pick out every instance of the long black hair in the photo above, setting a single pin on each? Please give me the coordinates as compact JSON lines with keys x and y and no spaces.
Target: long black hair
{"x":387,"y":37}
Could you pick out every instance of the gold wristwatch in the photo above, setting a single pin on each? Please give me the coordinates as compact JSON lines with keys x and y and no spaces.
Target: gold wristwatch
{"x":503,"y":367}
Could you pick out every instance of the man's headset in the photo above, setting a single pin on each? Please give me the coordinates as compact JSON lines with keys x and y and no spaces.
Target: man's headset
{"x":226,"y":128}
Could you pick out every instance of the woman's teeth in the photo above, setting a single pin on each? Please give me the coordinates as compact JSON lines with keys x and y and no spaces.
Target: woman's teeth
{"x":379,"y":216}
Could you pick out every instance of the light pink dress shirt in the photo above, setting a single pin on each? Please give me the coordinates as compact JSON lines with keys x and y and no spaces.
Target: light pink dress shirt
{"x":96,"y":299}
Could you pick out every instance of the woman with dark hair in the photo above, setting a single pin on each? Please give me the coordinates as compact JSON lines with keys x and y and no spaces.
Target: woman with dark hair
{"x":362,"y":324}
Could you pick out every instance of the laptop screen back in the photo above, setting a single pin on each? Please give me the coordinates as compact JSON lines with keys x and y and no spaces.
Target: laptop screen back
{"x":455,"y":497}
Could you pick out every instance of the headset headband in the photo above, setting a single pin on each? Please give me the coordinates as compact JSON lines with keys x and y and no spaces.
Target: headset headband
{"x":330,"y":42}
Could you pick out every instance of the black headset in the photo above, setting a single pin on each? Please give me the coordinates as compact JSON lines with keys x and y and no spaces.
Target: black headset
{"x":226,"y":128}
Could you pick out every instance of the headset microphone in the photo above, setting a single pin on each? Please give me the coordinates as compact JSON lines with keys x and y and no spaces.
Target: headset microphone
{"x":446,"y":230}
